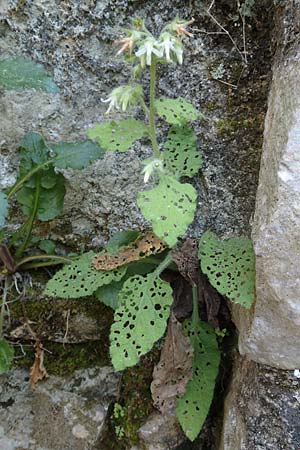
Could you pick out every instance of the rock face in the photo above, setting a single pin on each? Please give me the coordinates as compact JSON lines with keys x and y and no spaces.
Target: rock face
{"x":271,"y":334}
{"x":262,"y":409}
{"x":60,"y":414}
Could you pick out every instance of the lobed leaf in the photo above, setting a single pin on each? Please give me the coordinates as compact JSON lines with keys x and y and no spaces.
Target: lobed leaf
{"x":230,"y":266}
{"x":76,"y":155}
{"x":170,"y":207}
{"x":176,"y":111}
{"x":3,"y":208}
{"x":80,"y":278}
{"x":6,"y":356}
{"x":20,"y":73}
{"x":181,"y":155}
{"x":140,"y":320}
{"x":193,"y":407}
{"x":118,"y":135}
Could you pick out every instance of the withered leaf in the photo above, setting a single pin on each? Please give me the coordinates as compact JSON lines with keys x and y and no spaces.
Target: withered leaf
{"x":38,"y":371}
{"x":142,"y":247}
{"x":174,"y":369}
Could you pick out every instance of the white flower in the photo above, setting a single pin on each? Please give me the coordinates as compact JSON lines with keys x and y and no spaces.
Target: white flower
{"x":153,"y":165}
{"x":171,"y":47}
{"x":149,"y":46}
{"x":113,"y":102}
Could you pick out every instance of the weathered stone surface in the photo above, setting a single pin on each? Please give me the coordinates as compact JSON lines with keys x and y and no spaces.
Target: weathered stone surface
{"x":75,"y":43}
{"x":262,"y":409}
{"x":271,"y":333}
{"x":60,"y":414}
{"x":161,"y":432}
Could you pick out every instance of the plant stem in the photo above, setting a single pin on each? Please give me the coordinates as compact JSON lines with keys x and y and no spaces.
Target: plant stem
{"x":151,"y":110}
{"x":26,"y":177}
{"x":53,"y":259}
{"x":31,"y":220}
{"x":195,"y":315}
{"x":163,"y":265}
{"x":3,"y":303}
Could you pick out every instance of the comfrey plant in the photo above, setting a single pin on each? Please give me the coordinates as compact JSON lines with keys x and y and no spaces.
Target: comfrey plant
{"x":126,"y":275}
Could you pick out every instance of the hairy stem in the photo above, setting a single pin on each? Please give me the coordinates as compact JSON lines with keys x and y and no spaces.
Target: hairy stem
{"x":195,"y":315}
{"x":163,"y":265}
{"x":151,"y":110}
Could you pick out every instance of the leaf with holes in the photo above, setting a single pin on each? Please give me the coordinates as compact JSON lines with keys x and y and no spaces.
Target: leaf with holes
{"x":170,"y":207}
{"x":193,"y":407}
{"x":140,"y":320}
{"x":80,"y":278}
{"x":75,"y":155}
{"x":176,"y":111}
{"x":181,"y":155}
{"x":20,"y":73}
{"x":230,"y":266}
{"x":118,"y":135}
{"x":3,"y":208}
{"x":6,"y":356}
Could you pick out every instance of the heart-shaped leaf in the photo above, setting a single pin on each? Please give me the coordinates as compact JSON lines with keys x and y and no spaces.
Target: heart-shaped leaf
{"x":176,"y":111}
{"x":230,"y":266}
{"x":170,"y":207}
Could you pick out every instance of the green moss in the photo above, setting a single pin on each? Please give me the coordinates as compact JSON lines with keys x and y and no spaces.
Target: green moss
{"x":63,"y":360}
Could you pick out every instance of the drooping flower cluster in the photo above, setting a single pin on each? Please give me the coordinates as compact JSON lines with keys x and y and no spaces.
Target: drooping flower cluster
{"x":123,"y":97}
{"x":168,"y":48}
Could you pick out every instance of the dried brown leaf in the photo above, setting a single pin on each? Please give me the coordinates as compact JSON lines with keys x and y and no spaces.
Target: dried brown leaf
{"x":38,"y":371}
{"x":142,"y":247}
{"x":174,"y":369}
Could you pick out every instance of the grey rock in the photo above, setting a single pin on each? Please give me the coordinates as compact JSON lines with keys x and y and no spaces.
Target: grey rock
{"x":271,"y":333}
{"x":60,"y":414}
{"x":261,"y":409}
{"x":161,"y":432}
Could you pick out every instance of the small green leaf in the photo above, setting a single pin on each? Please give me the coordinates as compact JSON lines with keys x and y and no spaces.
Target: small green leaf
{"x":118,"y":135}
{"x":6,"y":356}
{"x":193,"y":407}
{"x":76,"y":155}
{"x":230,"y":266}
{"x":3,"y":208}
{"x":140,"y":320}
{"x":80,"y":278}
{"x":181,"y":155}
{"x":20,"y":73}
{"x":121,"y":239}
{"x":176,"y":111}
{"x":47,"y":246}
{"x":170,"y":207}
{"x":50,"y":202}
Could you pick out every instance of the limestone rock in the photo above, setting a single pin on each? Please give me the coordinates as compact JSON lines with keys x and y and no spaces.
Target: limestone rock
{"x":262,"y":409}
{"x":271,"y":333}
{"x":60,"y":414}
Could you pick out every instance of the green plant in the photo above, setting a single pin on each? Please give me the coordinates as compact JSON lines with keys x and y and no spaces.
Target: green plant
{"x":126,"y":276}
{"x":39,"y":189}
